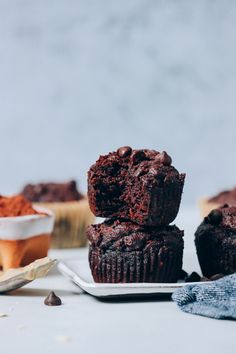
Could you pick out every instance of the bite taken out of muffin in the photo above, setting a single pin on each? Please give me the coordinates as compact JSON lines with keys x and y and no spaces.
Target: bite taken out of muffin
{"x":137,"y":185}
{"x":140,"y":192}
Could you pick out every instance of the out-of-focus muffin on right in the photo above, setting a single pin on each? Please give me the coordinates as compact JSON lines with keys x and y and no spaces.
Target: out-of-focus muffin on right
{"x":224,"y":197}
{"x":215,"y":241}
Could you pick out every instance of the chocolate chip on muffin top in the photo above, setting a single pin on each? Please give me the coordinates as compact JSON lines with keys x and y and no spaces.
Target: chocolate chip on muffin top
{"x":224,"y":216}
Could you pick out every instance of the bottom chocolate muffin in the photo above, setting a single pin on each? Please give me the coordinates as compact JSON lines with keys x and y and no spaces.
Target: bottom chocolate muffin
{"x":215,"y":241}
{"x":124,"y":252}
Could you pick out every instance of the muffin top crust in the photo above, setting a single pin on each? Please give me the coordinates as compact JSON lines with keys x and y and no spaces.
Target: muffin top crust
{"x":225,"y":216}
{"x":143,"y":163}
{"x":124,"y":235}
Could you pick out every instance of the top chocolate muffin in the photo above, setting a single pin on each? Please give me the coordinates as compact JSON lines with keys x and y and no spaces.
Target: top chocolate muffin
{"x":137,"y":185}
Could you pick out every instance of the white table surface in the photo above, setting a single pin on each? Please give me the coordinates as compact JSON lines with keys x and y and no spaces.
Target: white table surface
{"x":87,"y":325}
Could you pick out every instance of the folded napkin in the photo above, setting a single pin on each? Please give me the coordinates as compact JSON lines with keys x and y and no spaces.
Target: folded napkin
{"x":215,"y":299}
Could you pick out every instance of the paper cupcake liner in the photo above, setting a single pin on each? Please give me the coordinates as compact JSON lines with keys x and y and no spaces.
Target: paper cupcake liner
{"x":149,"y":266}
{"x":71,"y":221}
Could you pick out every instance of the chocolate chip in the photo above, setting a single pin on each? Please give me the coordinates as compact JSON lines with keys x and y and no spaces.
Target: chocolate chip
{"x":182,"y":274}
{"x":164,"y":158}
{"x":193,"y":277}
{"x":217,"y":276}
{"x":138,"y":156}
{"x":52,"y":300}
{"x":204,"y":279}
{"x":124,"y":151}
{"x":215,"y":217}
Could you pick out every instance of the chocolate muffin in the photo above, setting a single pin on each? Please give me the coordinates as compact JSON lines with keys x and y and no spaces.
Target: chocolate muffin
{"x":137,"y":185}
{"x":215,"y":241}
{"x":52,"y":192}
{"x":224,"y":197}
{"x":124,"y":252}
{"x":71,"y":209}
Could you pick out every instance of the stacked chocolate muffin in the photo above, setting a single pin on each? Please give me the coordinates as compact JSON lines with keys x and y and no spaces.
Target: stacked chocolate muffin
{"x":140,"y":192}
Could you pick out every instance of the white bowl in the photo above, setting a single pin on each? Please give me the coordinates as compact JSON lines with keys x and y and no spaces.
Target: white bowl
{"x":26,"y":226}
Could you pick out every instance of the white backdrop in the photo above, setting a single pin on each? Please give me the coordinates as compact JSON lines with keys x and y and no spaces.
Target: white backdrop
{"x":80,"y":78}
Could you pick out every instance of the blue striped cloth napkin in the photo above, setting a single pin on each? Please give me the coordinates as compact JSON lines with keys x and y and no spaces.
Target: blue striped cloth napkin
{"x":215,"y":299}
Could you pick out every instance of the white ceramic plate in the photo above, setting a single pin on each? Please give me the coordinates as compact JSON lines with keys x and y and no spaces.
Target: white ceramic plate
{"x":78,"y":272}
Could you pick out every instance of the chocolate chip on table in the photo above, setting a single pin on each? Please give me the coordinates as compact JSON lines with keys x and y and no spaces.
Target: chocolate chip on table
{"x":217,"y":276}
{"x":182,"y":274}
{"x":215,"y":217}
{"x":204,"y":279}
{"x":193,"y":277}
{"x":52,"y":300}
{"x":124,"y":151}
{"x":164,"y":158}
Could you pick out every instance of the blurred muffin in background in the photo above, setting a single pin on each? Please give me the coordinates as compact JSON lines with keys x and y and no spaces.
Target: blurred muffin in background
{"x":224,"y":197}
{"x":25,"y":232}
{"x":70,"y":207}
